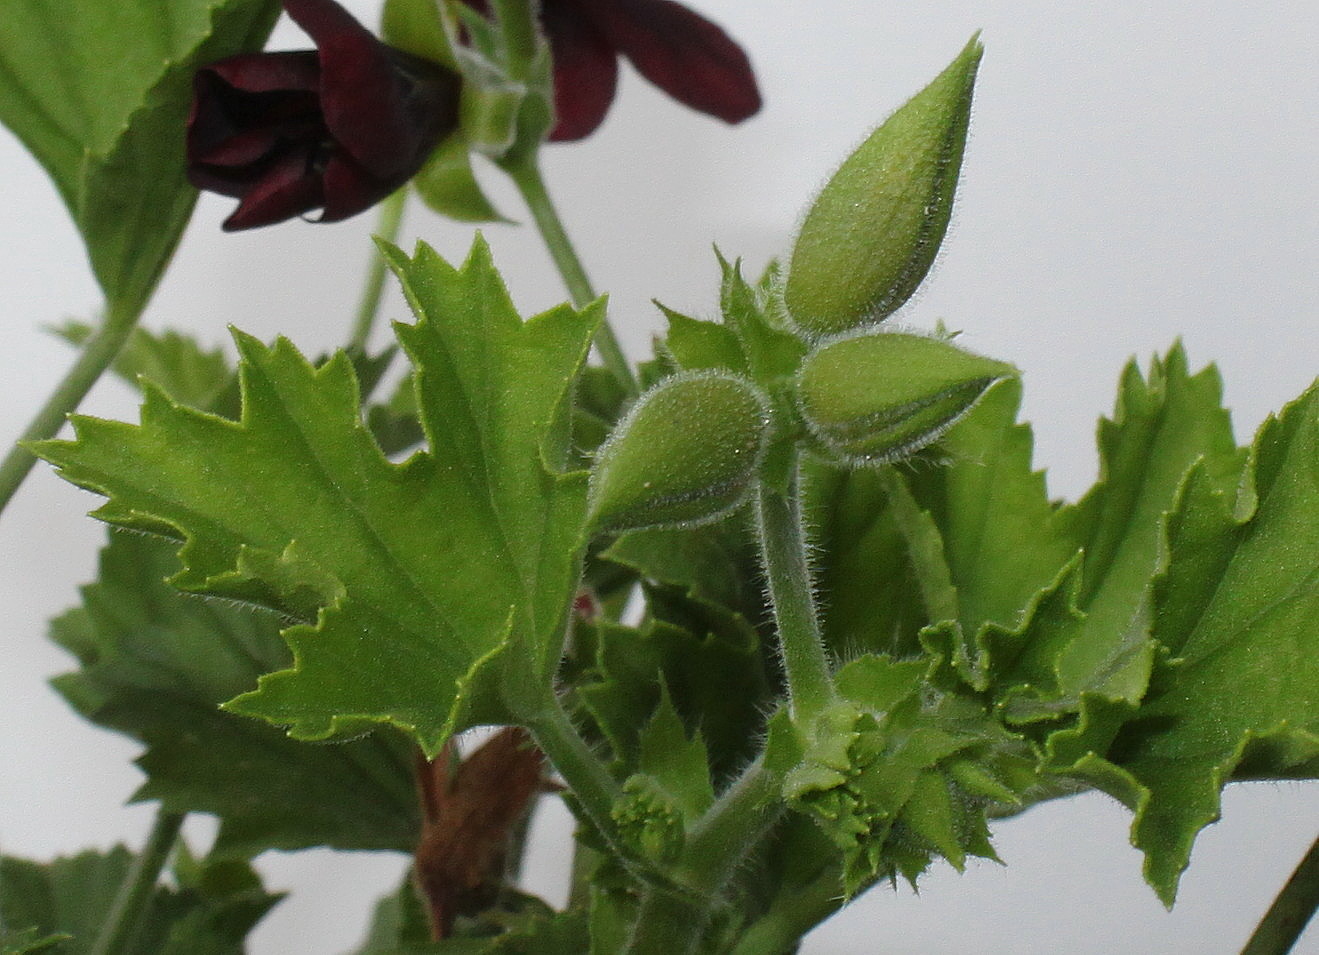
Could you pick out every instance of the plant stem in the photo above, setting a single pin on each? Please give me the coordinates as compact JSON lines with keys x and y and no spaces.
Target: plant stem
{"x":792,"y":915}
{"x":387,"y":226}
{"x":97,"y":353}
{"x":720,"y":840}
{"x":667,"y":924}
{"x":591,"y":785}
{"x":792,"y":594}
{"x":525,"y":173}
{"x":1287,"y":917}
{"x":130,"y":905}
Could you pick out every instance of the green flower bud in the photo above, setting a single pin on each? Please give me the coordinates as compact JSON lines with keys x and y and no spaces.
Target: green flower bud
{"x":872,"y":234}
{"x":686,"y":453}
{"x":880,"y":396}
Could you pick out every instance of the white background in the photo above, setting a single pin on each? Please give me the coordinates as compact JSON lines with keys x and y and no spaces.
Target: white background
{"x":1135,"y":173}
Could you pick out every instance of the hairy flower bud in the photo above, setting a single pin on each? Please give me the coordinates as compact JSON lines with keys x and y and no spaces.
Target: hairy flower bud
{"x":872,"y":234}
{"x":877,"y":397}
{"x":687,"y":453}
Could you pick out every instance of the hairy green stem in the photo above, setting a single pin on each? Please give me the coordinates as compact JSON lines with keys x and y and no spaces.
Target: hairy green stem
{"x":1290,"y":912}
{"x":668,"y":923}
{"x":792,"y":595}
{"x":718,"y":843}
{"x":97,"y":353}
{"x":387,"y":227}
{"x":585,"y":774}
{"x":525,"y":173}
{"x":791,"y":915}
{"x":130,"y":905}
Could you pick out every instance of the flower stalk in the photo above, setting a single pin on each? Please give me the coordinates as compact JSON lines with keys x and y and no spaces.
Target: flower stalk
{"x":96,"y":356}
{"x":526,"y":175}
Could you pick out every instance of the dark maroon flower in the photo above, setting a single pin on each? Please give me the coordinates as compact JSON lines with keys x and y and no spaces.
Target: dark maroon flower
{"x":679,"y":51}
{"x":337,"y":128}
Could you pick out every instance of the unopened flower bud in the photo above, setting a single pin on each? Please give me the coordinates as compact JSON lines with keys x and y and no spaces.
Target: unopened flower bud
{"x":880,"y":396}
{"x":687,"y":453}
{"x":872,"y":234}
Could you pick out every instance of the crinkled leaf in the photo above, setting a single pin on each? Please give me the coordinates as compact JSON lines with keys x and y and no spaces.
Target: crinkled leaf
{"x":1164,"y":422}
{"x":99,"y":93}
{"x":999,"y":533}
{"x":209,"y":912}
{"x":866,"y":575}
{"x":1236,"y":609}
{"x":413,"y":579}
{"x":716,"y":680}
{"x":898,"y":772}
{"x":154,"y":660}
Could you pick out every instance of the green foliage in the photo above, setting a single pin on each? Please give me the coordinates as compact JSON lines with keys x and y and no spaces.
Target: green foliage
{"x":209,"y":912}
{"x":99,"y":93}
{"x":177,"y":363}
{"x":940,"y":644}
{"x":294,"y":507}
{"x":154,"y":660}
{"x":1233,"y":691}
{"x":671,"y":789}
{"x":896,"y":773}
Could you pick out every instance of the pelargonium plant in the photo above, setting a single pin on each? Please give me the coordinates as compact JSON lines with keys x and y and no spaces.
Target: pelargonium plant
{"x":782,"y":613}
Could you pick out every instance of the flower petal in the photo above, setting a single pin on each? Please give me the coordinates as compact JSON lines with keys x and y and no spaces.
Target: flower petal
{"x":350,"y":188}
{"x":269,"y":72}
{"x":585,"y":72}
{"x":285,"y":189}
{"x":360,"y":91}
{"x":681,"y":52}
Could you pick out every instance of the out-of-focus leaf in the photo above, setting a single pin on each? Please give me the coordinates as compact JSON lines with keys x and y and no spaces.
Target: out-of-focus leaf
{"x":157,"y":664}
{"x":99,"y":93}
{"x":209,"y":912}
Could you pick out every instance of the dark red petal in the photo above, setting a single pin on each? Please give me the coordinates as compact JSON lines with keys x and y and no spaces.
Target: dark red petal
{"x":679,"y":51}
{"x":286,"y":189}
{"x":585,"y":72}
{"x":269,"y":72}
{"x":360,"y":93}
{"x":349,"y":188}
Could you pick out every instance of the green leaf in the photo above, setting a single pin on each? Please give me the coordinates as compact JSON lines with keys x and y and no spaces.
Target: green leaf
{"x":867,"y":578}
{"x":438,"y":587}
{"x":176,"y":362}
{"x":1000,"y":537}
{"x":716,"y":681}
{"x":154,"y":660}
{"x":1236,"y":608}
{"x":210,"y":912}
{"x":99,"y":93}
{"x":872,"y":234}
